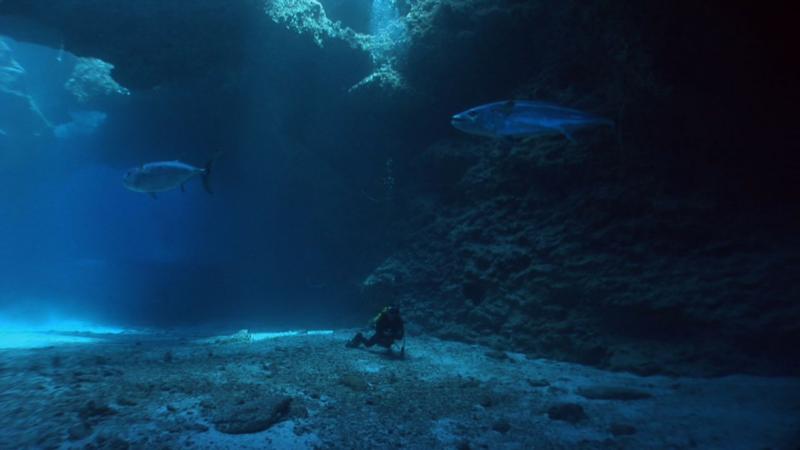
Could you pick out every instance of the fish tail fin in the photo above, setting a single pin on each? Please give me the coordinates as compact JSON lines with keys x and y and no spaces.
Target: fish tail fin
{"x":207,"y":177}
{"x":207,"y":172}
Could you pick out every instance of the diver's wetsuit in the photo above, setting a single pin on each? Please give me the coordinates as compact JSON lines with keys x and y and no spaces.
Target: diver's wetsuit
{"x":388,"y":329}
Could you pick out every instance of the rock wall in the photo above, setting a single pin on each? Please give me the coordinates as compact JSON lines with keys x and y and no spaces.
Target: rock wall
{"x":546,"y":248}
{"x":20,"y":117}
{"x":666,"y":246}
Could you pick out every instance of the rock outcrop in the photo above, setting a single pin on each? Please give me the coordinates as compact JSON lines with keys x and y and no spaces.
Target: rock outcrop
{"x":550,"y":249}
{"x":91,"y":80}
{"x":149,"y":42}
{"x":664,"y":246}
{"x":21,"y":120}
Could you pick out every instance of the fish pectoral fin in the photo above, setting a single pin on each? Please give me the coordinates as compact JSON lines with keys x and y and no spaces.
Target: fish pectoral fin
{"x":566,"y":134}
{"x":152,"y":195}
{"x":183,"y":187}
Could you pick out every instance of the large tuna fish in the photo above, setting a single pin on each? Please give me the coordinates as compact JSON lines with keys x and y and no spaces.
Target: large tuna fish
{"x":163,"y":176}
{"x":521,"y":118}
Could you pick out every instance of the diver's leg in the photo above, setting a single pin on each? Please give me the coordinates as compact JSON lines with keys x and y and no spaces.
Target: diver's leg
{"x":357,"y":340}
{"x":372,"y":340}
{"x":385,"y":342}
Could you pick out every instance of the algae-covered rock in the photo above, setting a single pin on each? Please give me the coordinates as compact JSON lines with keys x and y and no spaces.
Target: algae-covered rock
{"x":612,"y":393}
{"x":567,"y":412}
{"x":354,"y":382}
{"x":621,"y":429}
{"x":251,"y":415}
{"x":242,"y":336}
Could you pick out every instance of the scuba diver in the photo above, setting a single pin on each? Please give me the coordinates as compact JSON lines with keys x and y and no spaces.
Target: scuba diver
{"x":389,"y":328}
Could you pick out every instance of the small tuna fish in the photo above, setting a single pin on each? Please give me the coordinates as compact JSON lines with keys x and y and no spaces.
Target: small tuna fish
{"x":164,"y":176}
{"x":520,"y":118}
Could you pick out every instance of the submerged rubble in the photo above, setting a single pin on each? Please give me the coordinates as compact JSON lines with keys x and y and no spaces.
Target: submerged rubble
{"x":309,"y":391}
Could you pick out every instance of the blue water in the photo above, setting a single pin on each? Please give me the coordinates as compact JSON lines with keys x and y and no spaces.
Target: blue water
{"x":76,"y":241}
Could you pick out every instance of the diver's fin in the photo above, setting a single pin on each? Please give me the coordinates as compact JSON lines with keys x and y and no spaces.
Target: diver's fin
{"x":152,"y":195}
{"x":183,"y":187}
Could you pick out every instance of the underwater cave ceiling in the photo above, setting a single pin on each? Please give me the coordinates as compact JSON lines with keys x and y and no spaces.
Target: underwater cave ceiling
{"x":150,"y":42}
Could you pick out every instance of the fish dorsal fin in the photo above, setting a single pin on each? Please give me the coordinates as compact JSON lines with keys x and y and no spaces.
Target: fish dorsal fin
{"x":508,"y":107}
{"x":499,"y":114}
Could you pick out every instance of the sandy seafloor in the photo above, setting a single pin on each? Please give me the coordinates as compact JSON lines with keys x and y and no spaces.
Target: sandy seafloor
{"x":306,"y":391}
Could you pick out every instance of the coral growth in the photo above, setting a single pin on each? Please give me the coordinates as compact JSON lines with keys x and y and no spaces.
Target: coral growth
{"x":91,"y":79}
{"x":385,"y":43}
{"x":309,"y":17}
